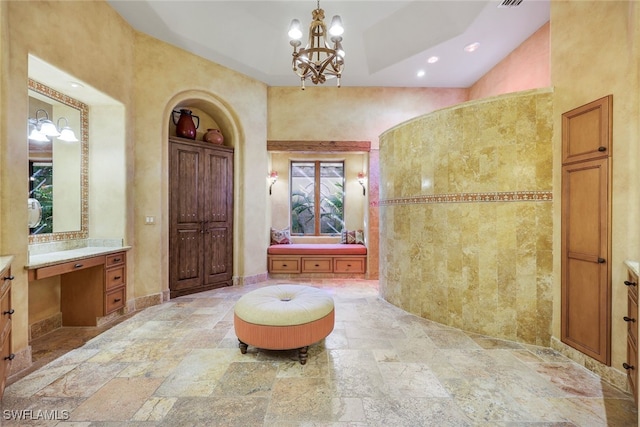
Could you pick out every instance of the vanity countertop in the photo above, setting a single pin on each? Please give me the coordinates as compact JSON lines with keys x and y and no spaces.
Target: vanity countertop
{"x":5,"y":261}
{"x":53,"y":258}
{"x":633,"y":266}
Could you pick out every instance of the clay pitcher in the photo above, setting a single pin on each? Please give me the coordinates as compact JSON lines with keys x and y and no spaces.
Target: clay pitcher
{"x":185,"y":127}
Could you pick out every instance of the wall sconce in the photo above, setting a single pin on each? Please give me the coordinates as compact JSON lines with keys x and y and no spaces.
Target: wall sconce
{"x":273,"y":177}
{"x":66,"y":133}
{"x":43,"y":129}
{"x":361,"y":179}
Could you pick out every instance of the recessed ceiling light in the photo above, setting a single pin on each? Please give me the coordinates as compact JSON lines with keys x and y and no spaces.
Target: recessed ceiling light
{"x":421,"y":73}
{"x":471,"y":47}
{"x":76,"y":85}
{"x":433,"y":59}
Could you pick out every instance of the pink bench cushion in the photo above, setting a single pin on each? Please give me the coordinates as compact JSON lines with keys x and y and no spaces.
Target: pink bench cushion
{"x":317,"y":249}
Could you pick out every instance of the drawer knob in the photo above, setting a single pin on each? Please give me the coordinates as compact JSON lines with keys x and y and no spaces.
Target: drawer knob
{"x":77,"y":265}
{"x":116,"y":260}
{"x":317,"y":265}
{"x":629,"y":283}
{"x":10,"y":357}
{"x":117,"y":300}
{"x":9,"y":277}
{"x":117,"y":277}
{"x":602,"y":148}
{"x":601,"y":260}
{"x":627,"y":366}
{"x":284,"y":265}
{"x":628,"y":319}
{"x":9,"y":312}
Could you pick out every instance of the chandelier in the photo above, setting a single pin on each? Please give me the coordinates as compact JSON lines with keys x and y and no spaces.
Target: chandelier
{"x":318,"y":61}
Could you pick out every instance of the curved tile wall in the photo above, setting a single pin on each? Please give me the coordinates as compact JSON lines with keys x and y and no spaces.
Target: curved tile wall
{"x":466,"y":216}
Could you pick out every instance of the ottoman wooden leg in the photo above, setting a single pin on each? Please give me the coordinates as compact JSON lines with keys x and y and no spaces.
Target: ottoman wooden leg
{"x":243,"y":347}
{"x":302,"y":354}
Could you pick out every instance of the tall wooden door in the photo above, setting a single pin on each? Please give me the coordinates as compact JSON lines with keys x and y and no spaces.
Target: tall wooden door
{"x":586,"y":229}
{"x":201,"y":217}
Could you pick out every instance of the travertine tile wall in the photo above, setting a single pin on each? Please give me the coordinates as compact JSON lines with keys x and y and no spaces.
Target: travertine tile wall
{"x":466,"y":216}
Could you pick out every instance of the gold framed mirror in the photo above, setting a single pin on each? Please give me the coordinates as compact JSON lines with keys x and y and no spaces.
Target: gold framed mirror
{"x":58,"y":170}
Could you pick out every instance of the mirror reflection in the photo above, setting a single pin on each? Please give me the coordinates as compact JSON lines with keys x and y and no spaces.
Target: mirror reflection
{"x":56,"y":136}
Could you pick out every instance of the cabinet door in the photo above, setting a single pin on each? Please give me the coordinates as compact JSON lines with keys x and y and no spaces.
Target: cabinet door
{"x":186,"y":215}
{"x":5,"y":327}
{"x":218,"y":216}
{"x":586,"y":289}
{"x":201,"y":217}
{"x":586,"y":131}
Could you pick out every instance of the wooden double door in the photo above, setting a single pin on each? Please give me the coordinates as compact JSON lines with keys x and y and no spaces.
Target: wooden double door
{"x":201,"y":216}
{"x":586,"y":229}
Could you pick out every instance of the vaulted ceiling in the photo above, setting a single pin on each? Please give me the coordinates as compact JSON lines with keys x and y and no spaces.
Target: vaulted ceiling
{"x":386,"y":42}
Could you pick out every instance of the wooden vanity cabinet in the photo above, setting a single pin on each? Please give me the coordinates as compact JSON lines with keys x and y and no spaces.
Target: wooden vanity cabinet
{"x":631,"y":365}
{"x":95,"y":289}
{"x":6,"y":356}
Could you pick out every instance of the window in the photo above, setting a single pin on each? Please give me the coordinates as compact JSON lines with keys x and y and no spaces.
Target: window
{"x":317,"y":197}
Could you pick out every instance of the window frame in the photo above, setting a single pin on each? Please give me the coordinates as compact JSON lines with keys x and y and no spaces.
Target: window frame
{"x":317,"y":205}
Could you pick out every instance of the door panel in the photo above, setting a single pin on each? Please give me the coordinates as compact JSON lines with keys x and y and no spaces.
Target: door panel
{"x":586,"y":301}
{"x":216,"y":197}
{"x":586,"y":131}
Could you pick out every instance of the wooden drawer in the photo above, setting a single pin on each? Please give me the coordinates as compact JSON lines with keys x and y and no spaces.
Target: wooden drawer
{"x":632,"y":324}
{"x":5,"y":351}
{"x":632,"y":284}
{"x":67,"y":267}
{"x":115,"y":259}
{"x":349,"y":265}
{"x":5,"y":313}
{"x":632,"y":368}
{"x":284,"y":265}
{"x":114,"y":300}
{"x":317,"y":265}
{"x":114,"y":277}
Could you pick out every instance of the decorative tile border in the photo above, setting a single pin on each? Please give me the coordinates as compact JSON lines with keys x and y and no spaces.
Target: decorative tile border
{"x":506,"y":196}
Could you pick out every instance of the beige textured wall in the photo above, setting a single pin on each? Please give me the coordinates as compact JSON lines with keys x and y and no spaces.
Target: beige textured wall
{"x":240,"y":109}
{"x":595,"y":51}
{"x":349,"y":113}
{"x":527,"y":67}
{"x":465,"y":219}
{"x":90,"y":41}
{"x":67,"y":47}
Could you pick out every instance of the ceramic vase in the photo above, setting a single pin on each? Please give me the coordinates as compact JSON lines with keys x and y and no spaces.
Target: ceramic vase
{"x":213,"y":136}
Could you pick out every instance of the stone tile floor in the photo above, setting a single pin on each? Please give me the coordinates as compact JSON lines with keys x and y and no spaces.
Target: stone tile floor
{"x":178,"y":364}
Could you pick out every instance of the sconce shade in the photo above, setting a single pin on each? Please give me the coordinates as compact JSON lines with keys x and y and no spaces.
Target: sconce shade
{"x":35,"y":135}
{"x":48,"y":128}
{"x":66,"y":134}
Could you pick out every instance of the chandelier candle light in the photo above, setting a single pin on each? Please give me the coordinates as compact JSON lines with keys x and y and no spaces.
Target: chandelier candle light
{"x":318,"y":61}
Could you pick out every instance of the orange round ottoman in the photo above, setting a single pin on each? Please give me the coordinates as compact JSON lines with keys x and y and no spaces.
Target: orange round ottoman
{"x":283,"y":317}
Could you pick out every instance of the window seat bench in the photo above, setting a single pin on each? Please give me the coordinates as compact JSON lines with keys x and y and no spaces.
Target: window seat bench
{"x":299,"y":258}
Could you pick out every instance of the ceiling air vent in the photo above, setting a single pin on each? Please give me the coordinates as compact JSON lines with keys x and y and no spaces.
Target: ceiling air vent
{"x":510,"y":3}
